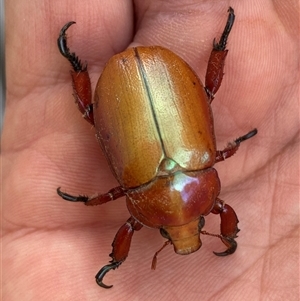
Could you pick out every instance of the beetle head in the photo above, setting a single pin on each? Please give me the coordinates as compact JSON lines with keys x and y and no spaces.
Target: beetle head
{"x":185,"y":238}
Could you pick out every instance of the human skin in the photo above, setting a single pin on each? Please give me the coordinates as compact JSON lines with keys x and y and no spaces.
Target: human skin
{"x":51,"y":249}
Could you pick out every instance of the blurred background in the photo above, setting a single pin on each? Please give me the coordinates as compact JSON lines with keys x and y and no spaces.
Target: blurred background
{"x":2,"y":64}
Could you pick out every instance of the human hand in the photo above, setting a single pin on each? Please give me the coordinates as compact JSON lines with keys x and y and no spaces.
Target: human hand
{"x":52,"y":249}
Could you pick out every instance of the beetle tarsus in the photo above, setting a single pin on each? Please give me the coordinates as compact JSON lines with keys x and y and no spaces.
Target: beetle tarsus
{"x":71,"y":198}
{"x":65,"y":51}
{"x":100,"y":275}
{"x":245,"y":137}
{"x":221,"y":46}
{"x":230,"y":243}
{"x":232,"y":147}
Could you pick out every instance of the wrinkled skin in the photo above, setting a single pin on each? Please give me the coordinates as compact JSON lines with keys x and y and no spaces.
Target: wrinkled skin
{"x":52,"y":249}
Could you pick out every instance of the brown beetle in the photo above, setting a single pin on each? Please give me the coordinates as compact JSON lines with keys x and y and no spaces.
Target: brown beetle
{"x":153,"y":120}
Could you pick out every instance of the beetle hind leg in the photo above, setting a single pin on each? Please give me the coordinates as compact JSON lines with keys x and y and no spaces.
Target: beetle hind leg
{"x":216,"y":62}
{"x":229,"y":227}
{"x":121,"y":246}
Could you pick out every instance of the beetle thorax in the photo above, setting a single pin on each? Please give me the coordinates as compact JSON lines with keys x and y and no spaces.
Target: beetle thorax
{"x":167,"y":167}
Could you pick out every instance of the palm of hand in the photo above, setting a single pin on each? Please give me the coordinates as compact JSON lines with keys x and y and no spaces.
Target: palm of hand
{"x":53,"y":244}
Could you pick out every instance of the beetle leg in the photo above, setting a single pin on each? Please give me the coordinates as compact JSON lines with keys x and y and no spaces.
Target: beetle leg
{"x":215,"y":67}
{"x":80,"y":77}
{"x":121,"y":246}
{"x":99,"y":199}
{"x":229,"y":227}
{"x":232,"y":147}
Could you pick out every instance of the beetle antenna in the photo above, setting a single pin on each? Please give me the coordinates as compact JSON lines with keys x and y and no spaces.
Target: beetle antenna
{"x":154,"y":260}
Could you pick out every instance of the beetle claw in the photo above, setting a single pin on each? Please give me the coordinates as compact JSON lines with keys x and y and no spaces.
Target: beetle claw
{"x":71,"y":198}
{"x":100,"y":275}
{"x":62,"y":40}
{"x":65,"y":51}
{"x":230,"y":243}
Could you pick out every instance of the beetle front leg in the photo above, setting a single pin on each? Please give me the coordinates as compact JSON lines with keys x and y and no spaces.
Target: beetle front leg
{"x":121,"y":246}
{"x":229,"y":227}
{"x":99,"y":199}
{"x":80,"y":77}
{"x":215,"y":67}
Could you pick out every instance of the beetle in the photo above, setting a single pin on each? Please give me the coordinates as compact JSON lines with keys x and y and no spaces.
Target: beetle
{"x":153,"y":120}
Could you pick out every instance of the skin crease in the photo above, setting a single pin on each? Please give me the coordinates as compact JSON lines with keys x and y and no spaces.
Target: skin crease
{"x":52,"y":249}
